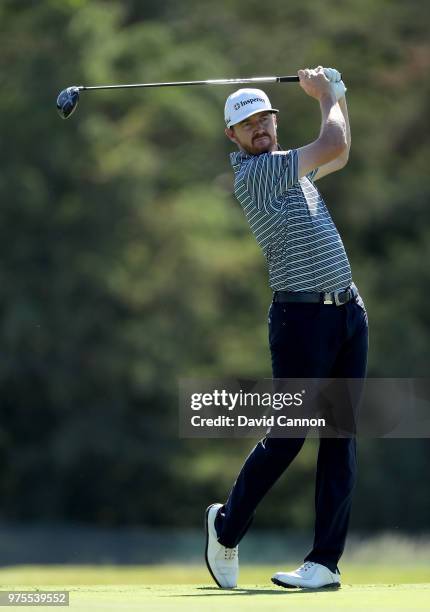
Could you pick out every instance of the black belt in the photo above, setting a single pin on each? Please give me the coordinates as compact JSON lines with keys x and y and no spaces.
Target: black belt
{"x":342,"y":296}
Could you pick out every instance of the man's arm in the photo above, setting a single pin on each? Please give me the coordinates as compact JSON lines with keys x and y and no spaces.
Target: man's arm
{"x":332,"y":140}
{"x":341,"y":161}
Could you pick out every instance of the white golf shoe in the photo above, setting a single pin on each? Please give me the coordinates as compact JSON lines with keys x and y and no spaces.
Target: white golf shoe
{"x":222,"y":562}
{"x":310,"y":575}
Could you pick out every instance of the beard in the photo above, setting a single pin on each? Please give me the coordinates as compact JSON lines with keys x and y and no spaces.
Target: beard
{"x":261,"y":143}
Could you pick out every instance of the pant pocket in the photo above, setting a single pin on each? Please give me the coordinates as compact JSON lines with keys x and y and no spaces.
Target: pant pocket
{"x":276,"y":322}
{"x":359,"y":302}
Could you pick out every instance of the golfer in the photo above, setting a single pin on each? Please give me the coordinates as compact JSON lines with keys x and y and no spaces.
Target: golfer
{"x":317,"y":320}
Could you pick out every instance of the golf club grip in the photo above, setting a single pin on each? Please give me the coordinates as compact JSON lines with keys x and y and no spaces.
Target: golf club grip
{"x":291,"y":79}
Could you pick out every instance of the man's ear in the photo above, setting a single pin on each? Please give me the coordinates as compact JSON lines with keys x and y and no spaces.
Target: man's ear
{"x":229,"y":132}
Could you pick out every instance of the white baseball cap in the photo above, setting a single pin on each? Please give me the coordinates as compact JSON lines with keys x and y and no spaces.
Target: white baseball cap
{"x":246,"y":102}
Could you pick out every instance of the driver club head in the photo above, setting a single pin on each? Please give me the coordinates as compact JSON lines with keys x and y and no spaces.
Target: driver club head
{"x":67,"y":101}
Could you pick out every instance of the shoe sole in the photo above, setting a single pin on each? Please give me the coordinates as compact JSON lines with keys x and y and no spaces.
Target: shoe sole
{"x":207,"y":545}
{"x":332,"y":585}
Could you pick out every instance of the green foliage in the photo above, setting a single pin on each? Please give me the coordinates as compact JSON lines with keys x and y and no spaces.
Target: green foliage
{"x":126,"y":263}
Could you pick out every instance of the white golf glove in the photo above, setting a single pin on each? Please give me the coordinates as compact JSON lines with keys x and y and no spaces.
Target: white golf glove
{"x":337,"y":85}
{"x":332,"y":74}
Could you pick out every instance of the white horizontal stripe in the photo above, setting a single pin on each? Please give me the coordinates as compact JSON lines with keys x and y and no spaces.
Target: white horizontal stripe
{"x":322,"y":273}
{"x":316,"y":248}
{"x":322,"y":255}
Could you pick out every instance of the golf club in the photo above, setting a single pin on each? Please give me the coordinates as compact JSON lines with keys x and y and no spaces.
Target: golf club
{"x":68,"y":99}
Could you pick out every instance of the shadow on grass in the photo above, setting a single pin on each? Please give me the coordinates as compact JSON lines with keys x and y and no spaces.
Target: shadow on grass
{"x":215,"y":591}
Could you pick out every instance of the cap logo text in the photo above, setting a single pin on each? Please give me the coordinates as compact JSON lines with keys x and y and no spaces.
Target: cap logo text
{"x":249,"y":101}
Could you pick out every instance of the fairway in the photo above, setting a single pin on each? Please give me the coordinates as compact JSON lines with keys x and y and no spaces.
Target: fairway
{"x":188,"y":588}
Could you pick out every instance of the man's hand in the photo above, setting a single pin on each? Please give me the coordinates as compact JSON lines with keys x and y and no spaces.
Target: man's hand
{"x":315,"y":83}
{"x":338,"y":86}
{"x":333,"y":75}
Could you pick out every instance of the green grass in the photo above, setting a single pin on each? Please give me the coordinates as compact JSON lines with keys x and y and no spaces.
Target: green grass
{"x":189,"y":589}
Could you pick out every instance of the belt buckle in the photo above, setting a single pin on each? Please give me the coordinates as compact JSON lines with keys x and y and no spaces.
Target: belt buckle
{"x":336,"y":297}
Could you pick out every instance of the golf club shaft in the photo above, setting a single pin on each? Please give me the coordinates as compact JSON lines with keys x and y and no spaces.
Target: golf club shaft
{"x":271,"y":79}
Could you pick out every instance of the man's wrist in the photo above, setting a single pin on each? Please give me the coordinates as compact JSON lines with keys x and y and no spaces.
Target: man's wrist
{"x":328,"y":97}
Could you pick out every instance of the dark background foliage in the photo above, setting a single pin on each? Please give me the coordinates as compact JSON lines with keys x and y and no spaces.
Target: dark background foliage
{"x":126,"y":264}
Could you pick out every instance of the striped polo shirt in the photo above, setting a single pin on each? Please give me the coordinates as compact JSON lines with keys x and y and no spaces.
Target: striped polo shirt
{"x":291,"y":223}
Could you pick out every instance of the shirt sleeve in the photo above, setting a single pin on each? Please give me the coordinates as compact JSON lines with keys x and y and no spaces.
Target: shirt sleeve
{"x":269,"y":175}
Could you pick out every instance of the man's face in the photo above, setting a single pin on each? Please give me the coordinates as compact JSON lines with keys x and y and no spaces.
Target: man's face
{"x":256,"y":134}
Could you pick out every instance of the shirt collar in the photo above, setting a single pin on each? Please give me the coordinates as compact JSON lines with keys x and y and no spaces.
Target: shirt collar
{"x":238,"y":157}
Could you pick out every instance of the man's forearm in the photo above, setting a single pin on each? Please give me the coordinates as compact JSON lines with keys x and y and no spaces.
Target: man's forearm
{"x":333,"y":124}
{"x":344,"y":109}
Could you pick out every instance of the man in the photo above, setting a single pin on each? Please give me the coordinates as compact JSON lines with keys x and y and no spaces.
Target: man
{"x":317,"y":320}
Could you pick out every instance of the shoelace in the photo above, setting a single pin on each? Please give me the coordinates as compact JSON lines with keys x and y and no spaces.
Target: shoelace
{"x":230,"y":553}
{"x":306,"y":566}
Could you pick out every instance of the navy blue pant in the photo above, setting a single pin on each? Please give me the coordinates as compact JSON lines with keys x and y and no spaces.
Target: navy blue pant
{"x":306,"y":341}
